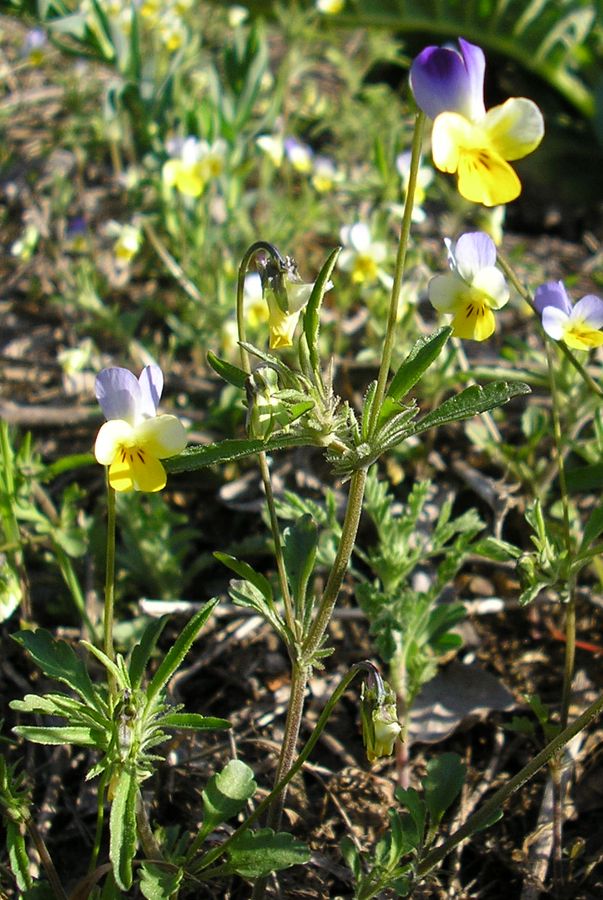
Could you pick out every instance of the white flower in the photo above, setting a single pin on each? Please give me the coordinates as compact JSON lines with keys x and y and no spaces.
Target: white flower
{"x":362,"y":256}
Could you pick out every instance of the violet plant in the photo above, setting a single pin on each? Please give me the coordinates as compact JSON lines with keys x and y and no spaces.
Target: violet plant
{"x":127,"y":717}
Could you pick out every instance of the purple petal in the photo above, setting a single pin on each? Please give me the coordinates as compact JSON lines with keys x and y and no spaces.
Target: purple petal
{"x":474,"y":251}
{"x":118,"y":393}
{"x":151,"y":386}
{"x":590,"y":310}
{"x":552,"y":293}
{"x":475,"y":64}
{"x":443,"y":80}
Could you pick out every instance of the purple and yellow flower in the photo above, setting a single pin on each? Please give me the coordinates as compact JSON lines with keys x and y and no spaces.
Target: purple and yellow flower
{"x":134,"y":438}
{"x":473,"y":287}
{"x":477,"y":145}
{"x":577,"y":326}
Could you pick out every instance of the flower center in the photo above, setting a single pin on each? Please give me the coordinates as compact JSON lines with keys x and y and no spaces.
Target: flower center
{"x":365,"y":268}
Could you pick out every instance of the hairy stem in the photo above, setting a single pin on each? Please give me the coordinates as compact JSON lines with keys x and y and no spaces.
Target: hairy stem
{"x":109,"y":585}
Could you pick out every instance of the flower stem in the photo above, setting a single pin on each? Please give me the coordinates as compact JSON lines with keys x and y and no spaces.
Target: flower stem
{"x":109,"y":584}
{"x":303,"y":755}
{"x":262,"y":458}
{"x":388,"y":343}
{"x":486,"y":814}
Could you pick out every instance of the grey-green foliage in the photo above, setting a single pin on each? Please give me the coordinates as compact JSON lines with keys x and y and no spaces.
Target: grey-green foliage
{"x":391,"y":864}
{"x":156,"y":547}
{"x":410,"y":629}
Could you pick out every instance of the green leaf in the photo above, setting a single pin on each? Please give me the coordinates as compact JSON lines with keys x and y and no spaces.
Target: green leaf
{"x":231,"y":374}
{"x":157,"y":882}
{"x":424,"y":352}
{"x":141,"y":653}
{"x":496,"y":549}
{"x":69,"y":734}
{"x":300,"y":541}
{"x":410,"y":799}
{"x":247,"y":573}
{"x":255,"y":854}
{"x":60,"y":705}
{"x":473,"y":400}
{"x":226,"y":793}
{"x":442,"y":784}
{"x":122,"y":826}
{"x":193,"y":720}
{"x":17,"y":854}
{"x":179,"y":650}
{"x":111,"y":667}
{"x":312,"y":310}
{"x":57,"y":660}
{"x":593,"y":528}
{"x":245,"y":594}
{"x":194,"y":458}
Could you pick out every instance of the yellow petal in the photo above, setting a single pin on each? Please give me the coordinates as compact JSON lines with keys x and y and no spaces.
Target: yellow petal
{"x":484,"y":177}
{"x":136,"y":469}
{"x":161,"y":436}
{"x":579,"y":336}
{"x":451,"y":132}
{"x":189,"y":181}
{"x":474,"y":322}
{"x":515,"y":128}
{"x":113,"y":435}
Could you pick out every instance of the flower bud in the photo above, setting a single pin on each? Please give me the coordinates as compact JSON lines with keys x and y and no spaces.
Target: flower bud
{"x":265,"y":411}
{"x":380,"y":726}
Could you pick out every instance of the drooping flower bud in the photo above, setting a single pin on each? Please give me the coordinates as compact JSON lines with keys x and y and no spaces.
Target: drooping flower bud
{"x":380,"y":726}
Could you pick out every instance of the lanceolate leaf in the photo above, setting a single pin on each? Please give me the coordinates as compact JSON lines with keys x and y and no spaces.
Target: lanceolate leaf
{"x":143,"y":650}
{"x":193,"y":720}
{"x":470,"y":402}
{"x":424,"y":352}
{"x":300,"y":541}
{"x":312,"y":310}
{"x":70,"y":734}
{"x":17,"y":854}
{"x":226,"y":451}
{"x":231,"y":374}
{"x":179,"y":650}
{"x":158,"y":882}
{"x":248,"y":573}
{"x":57,"y":660}
{"x":122,"y":845}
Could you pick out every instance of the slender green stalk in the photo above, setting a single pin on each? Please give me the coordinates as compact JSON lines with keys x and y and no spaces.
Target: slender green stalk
{"x":303,"y":755}
{"x":390,"y":333}
{"x":262,"y":458}
{"x":340,"y":565}
{"x":486,"y":814}
{"x":109,"y":584}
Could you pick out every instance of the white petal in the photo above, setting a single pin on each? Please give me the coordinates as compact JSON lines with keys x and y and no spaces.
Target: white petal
{"x":554,"y":321}
{"x":114,"y":434}
{"x":492,"y":282}
{"x":472,"y":252}
{"x":444,"y":291}
{"x":162,"y":436}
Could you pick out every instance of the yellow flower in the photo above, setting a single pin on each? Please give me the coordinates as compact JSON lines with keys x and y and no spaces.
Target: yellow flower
{"x":476,"y":145}
{"x":473,"y":287}
{"x":134,"y":439}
